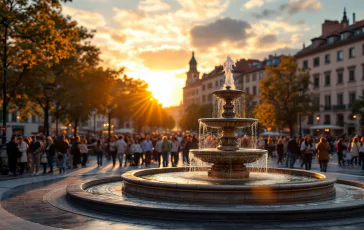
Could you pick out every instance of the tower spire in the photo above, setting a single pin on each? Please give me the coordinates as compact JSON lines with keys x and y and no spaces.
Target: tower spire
{"x":345,"y":18}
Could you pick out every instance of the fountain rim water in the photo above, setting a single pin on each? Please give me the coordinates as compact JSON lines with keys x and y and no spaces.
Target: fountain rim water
{"x":135,"y":177}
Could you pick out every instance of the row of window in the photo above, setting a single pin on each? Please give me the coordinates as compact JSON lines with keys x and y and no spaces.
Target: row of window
{"x":254,"y":77}
{"x":254,"y":91}
{"x":15,"y":118}
{"x":339,"y":77}
{"x":327,"y":119}
{"x":327,"y":58}
{"x":339,"y":99}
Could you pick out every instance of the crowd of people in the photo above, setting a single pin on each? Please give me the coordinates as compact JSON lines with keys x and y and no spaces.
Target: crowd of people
{"x":29,"y":155}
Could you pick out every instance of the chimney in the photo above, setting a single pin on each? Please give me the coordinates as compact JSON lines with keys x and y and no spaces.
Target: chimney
{"x":330,"y":26}
{"x":354,"y":18}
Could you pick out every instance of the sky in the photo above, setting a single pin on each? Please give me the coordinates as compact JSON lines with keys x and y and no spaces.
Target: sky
{"x":153,"y":39}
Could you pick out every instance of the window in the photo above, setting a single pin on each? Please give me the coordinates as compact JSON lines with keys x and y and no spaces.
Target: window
{"x":327,"y":78}
{"x":254,"y":90}
{"x":352,"y":52}
{"x":351,"y":75}
{"x":340,"y":119}
{"x":260,"y":75}
{"x":340,"y":55}
{"x":310,"y":120}
{"x":327,"y":119}
{"x":247,"y":78}
{"x":340,"y":78}
{"x":209,"y":85}
{"x":327,"y":59}
{"x":316,"y":62}
{"x":328,"y":101}
{"x":352,"y":97}
{"x":254,"y":76}
{"x":13,"y":117}
{"x":316,"y":81}
{"x":340,"y":99}
{"x":203,"y":87}
{"x":247,"y":90}
{"x":331,"y":40}
{"x":316,"y":101}
{"x":305,"y":64}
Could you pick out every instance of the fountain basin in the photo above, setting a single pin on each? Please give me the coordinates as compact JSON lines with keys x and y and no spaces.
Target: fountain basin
{"x":228,"y":123}
{"x":212,"y":155}
{"x":135,"y":183}
{"x":228,"y":94}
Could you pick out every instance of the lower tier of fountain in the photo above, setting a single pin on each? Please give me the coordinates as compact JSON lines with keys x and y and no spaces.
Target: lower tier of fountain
{"x":170,"y":193}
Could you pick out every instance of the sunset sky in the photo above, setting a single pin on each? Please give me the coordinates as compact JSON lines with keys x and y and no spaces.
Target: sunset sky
{"x":153,"y":39}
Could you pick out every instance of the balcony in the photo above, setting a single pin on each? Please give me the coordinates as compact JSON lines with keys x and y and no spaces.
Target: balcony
{"x":327,"y":122}
{"x":339,"y":107}
{"x":327,"y":107}
{"x":340,"y":123}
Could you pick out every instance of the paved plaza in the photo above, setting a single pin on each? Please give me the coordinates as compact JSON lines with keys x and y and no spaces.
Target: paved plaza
{"x":39,"y":202}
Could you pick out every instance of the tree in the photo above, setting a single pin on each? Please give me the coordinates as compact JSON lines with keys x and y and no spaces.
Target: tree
{"x":189,"y":120}
{"x":358,"y":109}
{"x":280,"y":97}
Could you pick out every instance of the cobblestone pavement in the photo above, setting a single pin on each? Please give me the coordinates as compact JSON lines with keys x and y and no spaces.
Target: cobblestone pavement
{"x":39,"y":202}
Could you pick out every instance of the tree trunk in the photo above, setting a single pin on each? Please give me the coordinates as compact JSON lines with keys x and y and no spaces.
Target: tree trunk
{"x":76,"y":126}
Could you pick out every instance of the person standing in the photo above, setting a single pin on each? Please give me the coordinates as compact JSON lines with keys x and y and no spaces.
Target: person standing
{"x":147,"y":146}
{"x":51,"y":153}
{"x":121,"y":147}
{"x":12,"y":150}
{"x":62,"y":149}
{"x":99,"y":149}
{"x":166,"y":148}
{"x":291,"y":153}
{"x":355,"y":146}
{"x":361,"y":153}
{"x":186,"y":150}
{"x":36,"y":149}
{"x":159,"y":151}
{"x":340,"y":149}
{"x":76,"y":152}
{"x":307,"y":151}
{"x":137,"y":150}
{"x":280,"y":151}
{"x":113,"y":149}
{"x":84,"y":152}
{"x":323,"y":148}
{"x":270,"y":147}
{"x":174,"y":152}
{"x":23,"y":158}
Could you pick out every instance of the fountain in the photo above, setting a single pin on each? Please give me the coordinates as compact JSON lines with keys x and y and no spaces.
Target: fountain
{"x":227,"y":190}
{"x":228,"y":159}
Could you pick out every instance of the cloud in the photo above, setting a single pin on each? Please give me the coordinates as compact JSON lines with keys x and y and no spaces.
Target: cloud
{"x":225,"y":29}
{"x":153,"y":6}
{"x":253,"y":3}
{"x":267,"y":39}
{"x":291,"y":8}
{"x":118,"y":38}
{"x":198,"y":10}
{"x":87,"y":19}
{"x":166,"y":59}
{"x":278,"y":52}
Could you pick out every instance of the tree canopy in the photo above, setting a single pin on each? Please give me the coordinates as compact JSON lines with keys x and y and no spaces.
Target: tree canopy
{"x":280,"y":97}
{"x":189,"y":120}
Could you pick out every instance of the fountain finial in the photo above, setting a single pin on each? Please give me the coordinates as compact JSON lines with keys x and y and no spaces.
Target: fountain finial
{"x":228,"y":69}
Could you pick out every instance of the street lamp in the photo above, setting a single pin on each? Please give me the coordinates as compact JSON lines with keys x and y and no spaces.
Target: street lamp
{"x":94,"y":112}
{"x":108,"y":111}
{"x":48,"y":93}
{"x":300,"y":93}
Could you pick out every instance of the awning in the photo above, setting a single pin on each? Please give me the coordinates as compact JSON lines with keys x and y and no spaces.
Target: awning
{"x":327,"y":127}
{"x":273,"y":134}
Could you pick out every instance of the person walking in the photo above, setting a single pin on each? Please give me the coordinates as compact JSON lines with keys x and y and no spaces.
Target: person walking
{"x":361,"y":153}
{"x":137,"y":150}
{"x":270,"y":147}
{"x":159,"y":151}
{"x":84,"y":152}
{"x":51,"y":153}
{"x":12,"y":149}
{"x":307,"y":151}
{"x":76,"y":152}
{"x":113,"y":148}
{"x":121,"y":148}
{"x":323,"y":148}
{"x":36,"y":150}
{"x":340,"y":148}
{"x":147,"y":146}
{"x":166,"y":148}
{"x":174,"y":151}
{"x":292,"y":150}
{"x":355,"y":146}
{"x":62,"y":150}
{"x":99,"y":150}
{"x":23,"y":157}
{"x":186,"y":150}
{"x":280,"y":149}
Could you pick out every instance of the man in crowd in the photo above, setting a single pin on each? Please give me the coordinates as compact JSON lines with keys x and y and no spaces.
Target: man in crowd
{"x":121,"y":147}
{"x":36,"y":149}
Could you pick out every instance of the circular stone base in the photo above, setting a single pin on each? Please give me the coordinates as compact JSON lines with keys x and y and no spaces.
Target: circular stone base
{"x":233,"y":172}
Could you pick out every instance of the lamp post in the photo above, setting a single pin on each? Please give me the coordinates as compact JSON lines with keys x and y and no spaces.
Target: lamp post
{"x":108,"y":111}
{"x":300,"y":92}
{"x":48,"y":92}
{"x":94,"y":112}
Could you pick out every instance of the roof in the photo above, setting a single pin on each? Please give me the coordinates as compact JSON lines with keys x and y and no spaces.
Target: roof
{"x":353,"y":37}
{"x":193,"y":59}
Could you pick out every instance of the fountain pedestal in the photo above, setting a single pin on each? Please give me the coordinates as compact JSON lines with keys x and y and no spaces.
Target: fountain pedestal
{"x":235,"y":171}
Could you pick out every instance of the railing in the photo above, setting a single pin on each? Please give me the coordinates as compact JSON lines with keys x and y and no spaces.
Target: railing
{"x":339,"y":107}
{"x":327,"y":122}
{"x":327,"y":107}
{"x":340,"y":123}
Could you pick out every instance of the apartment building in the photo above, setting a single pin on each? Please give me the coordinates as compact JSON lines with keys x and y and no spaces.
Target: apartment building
{"x":335,"y":61}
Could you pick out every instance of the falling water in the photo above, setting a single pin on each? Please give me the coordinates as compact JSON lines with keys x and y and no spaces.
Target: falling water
{"x":228,"y":70}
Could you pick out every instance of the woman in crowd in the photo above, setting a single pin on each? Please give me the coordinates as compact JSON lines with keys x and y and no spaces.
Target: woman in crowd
{"x":166,"y":148}
{"x":361,"y":153}
{"x":323,"y":148}
{"x":355,"y":146}
{"x":51,"y":153}
{"x":137,"y":150}
{"x":270,"y":146}
{"x":23,"y":159}
{"x":340,"y":148}
{"x":307,"y":150}
{"x":113,"y":150}
{"x":280,"y":151}
{"x":76,"y":152}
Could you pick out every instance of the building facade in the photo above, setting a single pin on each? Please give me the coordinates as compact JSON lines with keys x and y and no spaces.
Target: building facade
{"x":336,"y":65}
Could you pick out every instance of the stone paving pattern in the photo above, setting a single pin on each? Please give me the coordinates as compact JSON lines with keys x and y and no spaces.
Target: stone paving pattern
{"x":39,"y":203}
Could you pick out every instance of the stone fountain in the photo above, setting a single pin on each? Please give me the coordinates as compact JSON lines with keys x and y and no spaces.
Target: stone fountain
{"x":228,"y":158}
